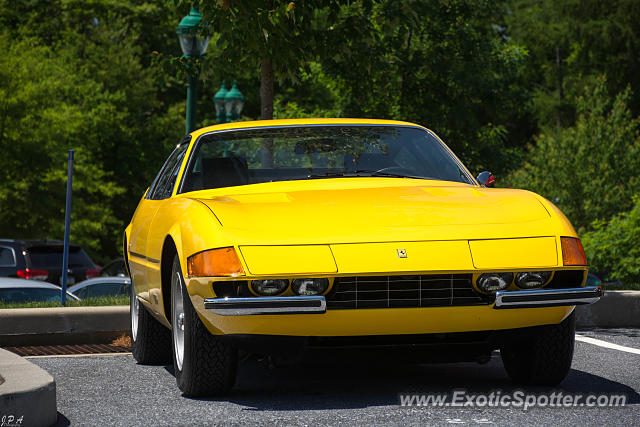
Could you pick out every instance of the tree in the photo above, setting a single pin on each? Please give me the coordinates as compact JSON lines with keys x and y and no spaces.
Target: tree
{"x":275,"y":36}
{"x":43,"y":113}
{"x":590,"y":170}
{"x":571,"y":42}
{"x":441,"y":64}
{"x":86,"y":83}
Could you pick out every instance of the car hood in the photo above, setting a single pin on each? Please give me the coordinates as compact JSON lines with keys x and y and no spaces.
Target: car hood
{"x":379,"y":210}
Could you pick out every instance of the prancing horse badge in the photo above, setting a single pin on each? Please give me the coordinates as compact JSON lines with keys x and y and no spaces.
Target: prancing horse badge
{"x":402,"y":253}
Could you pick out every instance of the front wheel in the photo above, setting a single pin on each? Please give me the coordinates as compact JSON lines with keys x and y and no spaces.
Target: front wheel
{"x":544,"y":358}
{"x":150,"y":340}
{"x":204,"y":364}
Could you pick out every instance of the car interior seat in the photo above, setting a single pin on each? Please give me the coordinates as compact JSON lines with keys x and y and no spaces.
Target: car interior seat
{"x":224,"y":172}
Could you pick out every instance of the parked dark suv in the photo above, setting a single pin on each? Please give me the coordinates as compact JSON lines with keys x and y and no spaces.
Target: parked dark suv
{"x":42,"y":260}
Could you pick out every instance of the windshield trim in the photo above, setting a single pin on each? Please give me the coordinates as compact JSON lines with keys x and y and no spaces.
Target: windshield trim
{"x":198,"y":141}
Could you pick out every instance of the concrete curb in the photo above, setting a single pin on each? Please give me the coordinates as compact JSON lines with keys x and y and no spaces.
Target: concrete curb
{"x":27,"y":391}
{"x":63,"y":325}
{"x":616,"y":309}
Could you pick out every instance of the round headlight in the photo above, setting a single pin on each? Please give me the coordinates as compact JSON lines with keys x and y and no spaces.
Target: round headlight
{"x":532,"y":279}
{"x":492,"y":282}
{"x":269,"y":287}
{"x":310,"y":286}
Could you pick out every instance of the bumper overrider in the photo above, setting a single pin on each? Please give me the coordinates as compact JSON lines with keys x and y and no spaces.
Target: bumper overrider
{"x":317,"y":304}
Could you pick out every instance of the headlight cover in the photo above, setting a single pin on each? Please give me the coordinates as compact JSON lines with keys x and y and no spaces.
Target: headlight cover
{"x":492,"y":282}
{"x":269,"y":287}
{"x":309,"y":286}
{"x":532,"y":279}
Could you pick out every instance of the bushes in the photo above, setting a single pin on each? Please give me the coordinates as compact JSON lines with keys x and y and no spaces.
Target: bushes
{"x":613,"y":245}
{"x":589,"y":170}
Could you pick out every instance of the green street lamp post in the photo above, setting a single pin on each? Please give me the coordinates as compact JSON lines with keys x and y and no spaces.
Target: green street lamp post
{"x":228,"y":103}
{"x":193,"y":45}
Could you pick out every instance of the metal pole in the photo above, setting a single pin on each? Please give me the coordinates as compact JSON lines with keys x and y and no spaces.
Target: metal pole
{"x":192,"y":102}
{"x":67,"y":221}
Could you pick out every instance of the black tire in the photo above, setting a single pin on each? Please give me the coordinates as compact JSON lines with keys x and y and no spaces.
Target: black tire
{"x":209,"y":363}
{"x":544,"y":358}
{"x":151,"y":344}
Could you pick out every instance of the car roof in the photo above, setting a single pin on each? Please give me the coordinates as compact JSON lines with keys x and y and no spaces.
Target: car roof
{"x":38,"y":242}
{"x":10,"y":282}
{"x":104,"y":279}
{"x":300,"y":122}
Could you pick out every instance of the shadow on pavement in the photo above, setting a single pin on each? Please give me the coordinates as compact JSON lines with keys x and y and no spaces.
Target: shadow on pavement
{"x":330,"y":384}
{"x":62,"y":421}
{"x":586,"y":383}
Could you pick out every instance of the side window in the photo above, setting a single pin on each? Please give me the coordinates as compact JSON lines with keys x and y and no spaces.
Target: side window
{"x":103,"y":290}
{"x":7,"y":257}
{"x":166,"y":179}
{"x":81,"y":293}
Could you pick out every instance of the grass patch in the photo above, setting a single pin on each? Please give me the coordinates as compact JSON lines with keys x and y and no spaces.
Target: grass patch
{"x":89,"y":302}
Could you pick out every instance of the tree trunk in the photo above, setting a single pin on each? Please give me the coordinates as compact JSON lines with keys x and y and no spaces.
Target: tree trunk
{"x":559,"y":83}
{"x":266,"y":89}
{"x":266,"y":108}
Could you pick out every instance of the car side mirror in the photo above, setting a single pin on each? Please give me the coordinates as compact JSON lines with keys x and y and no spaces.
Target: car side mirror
{"x":486,"y":179}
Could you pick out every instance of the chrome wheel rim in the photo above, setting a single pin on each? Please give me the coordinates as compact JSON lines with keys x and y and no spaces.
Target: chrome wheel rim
{"x":177,"y":310}
{"x":135,"y":308}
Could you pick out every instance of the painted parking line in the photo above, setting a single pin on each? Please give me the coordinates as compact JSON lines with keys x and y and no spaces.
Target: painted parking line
{"x":606,"y":344}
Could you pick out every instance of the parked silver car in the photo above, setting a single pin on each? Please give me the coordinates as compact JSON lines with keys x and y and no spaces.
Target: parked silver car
{"x":22,"y":290}
{"x":101,"y":287}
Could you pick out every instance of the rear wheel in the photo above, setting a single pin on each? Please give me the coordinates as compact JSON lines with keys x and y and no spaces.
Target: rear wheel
{"x":544,"y":358}
{"x":150,"y":340}
{"x":204,"y":364}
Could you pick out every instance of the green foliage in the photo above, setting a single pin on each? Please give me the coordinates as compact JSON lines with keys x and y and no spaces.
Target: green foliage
{"x":246,"y":31}
{"x":81,"y":86}
{"x":613,"y":247}
{"x":571,"y":43}
{"x":589,"y":170}
{"x":440,"y":64}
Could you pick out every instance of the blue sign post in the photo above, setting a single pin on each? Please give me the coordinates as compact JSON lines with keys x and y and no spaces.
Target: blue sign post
{"x":67,"y":221}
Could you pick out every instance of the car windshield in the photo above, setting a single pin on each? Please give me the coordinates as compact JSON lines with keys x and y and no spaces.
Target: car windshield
{"x":17,"y":295}
{"x":226,"y":159}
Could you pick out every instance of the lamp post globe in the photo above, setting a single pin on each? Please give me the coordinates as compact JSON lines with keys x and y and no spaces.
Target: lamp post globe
{"x":192,"y":42}
{"x":234,"y":101}
{"x":219,"y":101}
{"x":194,"y":45}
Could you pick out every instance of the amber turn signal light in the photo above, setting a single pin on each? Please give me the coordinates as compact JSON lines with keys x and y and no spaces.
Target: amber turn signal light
{"x":572,"y":252}
{"x":215,"y":262}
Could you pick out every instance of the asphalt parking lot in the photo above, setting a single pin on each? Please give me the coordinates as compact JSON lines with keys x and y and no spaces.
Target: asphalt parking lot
{"x":114,"y":390}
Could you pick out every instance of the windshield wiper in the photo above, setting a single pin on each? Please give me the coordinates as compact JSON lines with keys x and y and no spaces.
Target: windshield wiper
{"x":365,"y":173}
{"x":330,"y":175}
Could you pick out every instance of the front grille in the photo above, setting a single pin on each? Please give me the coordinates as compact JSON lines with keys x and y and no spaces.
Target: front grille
{"x":433,"y":290}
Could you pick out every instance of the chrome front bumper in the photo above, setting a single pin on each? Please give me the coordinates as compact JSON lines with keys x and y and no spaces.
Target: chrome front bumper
{"x":318,"y":305}
{"x":266,"y":305}
{"x":548,"y":297}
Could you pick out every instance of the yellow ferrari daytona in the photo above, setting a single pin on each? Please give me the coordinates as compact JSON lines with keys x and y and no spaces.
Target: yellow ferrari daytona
{"x":284,"y":236}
